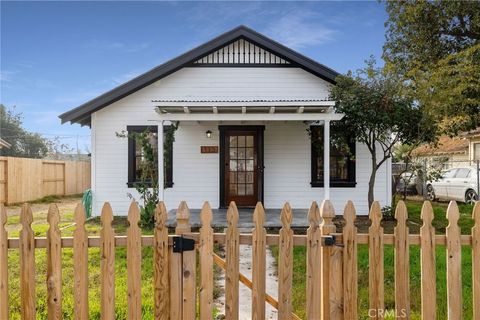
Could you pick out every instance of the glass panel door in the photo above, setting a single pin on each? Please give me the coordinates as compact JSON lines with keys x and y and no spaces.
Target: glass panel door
{"x":241,"y":168}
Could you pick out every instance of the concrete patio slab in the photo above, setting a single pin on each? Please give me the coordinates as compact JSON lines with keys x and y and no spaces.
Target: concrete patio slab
{"x":272,"y":218}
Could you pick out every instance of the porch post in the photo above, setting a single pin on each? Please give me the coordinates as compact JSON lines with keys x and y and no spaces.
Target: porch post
{"x":326,"y":159}
{"x":161,"y":171}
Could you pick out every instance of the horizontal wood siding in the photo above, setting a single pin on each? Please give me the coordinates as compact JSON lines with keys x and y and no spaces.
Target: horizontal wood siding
{"x":196,"y":175}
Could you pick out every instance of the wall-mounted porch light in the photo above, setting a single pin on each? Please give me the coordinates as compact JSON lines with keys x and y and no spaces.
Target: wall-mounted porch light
{"x":208,"y":134}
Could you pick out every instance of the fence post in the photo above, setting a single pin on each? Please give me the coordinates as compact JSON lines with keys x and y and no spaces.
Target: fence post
{"x":331,"y":278}
{"x":134,"y":263}
{"x":54,"y":264}
{"x":80,"y":265}
{"x":402,"y":262}
{"x":259,"y":243}
{"x":350,"y":263}
{"x":427,"y":262}
{"x":4,"y":309}
{"x":183,"y":273}
{"x":107,"y":264}
{"x":232,"y":263}
{"x":375,"y":263}
{"x":285,"y":264}
{"x":314,"y":244}
{"x":161,"y":272}
{"x":205,"y":249}
{"x":27,"y":264}
{"x":454,"y":263}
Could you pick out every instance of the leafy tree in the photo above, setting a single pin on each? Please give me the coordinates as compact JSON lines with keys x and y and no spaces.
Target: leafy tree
{"x":23,"y":143}
{"x":379,"y":114}
{"x":435,"y":45}
{"x":450,"y":92}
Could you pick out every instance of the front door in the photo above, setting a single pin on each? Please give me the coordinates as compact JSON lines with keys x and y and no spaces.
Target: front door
{"x":242,"y":165}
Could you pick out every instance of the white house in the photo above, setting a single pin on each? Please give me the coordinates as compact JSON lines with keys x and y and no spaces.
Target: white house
{"x":245,"y":105}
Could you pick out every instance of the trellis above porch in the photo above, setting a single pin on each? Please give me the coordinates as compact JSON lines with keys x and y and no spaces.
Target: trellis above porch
{"x":313,"y":111}
{"x":247,"y":110}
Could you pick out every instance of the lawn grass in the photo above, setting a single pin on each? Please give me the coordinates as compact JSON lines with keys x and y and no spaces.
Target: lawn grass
{"x":93,"y":226}
{"x":414,"y":209}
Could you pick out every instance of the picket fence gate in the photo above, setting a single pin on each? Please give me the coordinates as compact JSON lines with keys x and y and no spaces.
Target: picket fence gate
{"x":330,"y":294}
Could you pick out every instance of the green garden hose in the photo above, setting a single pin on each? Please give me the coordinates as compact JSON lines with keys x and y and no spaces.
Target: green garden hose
{"x":87,"y":202}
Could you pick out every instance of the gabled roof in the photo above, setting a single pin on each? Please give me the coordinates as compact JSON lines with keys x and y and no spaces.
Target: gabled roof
{"x":82,"y":113}
{"x":445,"y":146}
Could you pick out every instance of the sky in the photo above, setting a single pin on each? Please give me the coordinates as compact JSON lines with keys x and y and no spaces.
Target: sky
{"x":58,"y":55}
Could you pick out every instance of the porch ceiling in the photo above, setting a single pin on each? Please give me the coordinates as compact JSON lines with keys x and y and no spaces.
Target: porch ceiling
{"x":244,"y":110}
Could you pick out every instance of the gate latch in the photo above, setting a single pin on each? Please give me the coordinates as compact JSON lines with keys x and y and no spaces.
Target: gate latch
{"x":330,"y":241}
{"x":181,"y":244}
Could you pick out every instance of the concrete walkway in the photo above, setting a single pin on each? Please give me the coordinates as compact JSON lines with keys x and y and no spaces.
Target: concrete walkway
{"x":272,"y":218}
{"x":245,"y":294}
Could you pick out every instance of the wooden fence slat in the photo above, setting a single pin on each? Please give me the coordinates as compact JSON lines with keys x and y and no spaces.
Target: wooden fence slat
{"x":350,"y":263}
{"x":454,"y":263}
{"x":331,"y":281}
{"x":428,"y":265}
{"x":205,"y":248}
{"x":375,"y":256}
{"x":176,"y":266}
{"x":285,"y":264}
{"x":476,"y":261}
{"x":160,"y":257}
{"x":258,"y":263}
{"x":314,"y":241}
{"x":4,"y":305}
{"x":80,"y":265}
{"x":27,"y":265}
{"x":402,"y":262}
{"x":107,"y":264}
{"x":54,"y":265}
{"x":189,"y":267}
{"x":232,"y":259}
{"x":134,"y":263}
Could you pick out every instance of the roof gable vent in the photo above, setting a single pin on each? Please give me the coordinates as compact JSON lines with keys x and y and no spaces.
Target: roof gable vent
{"x":242,"y":52}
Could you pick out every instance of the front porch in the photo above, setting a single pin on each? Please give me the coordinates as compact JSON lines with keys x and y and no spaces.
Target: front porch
{"x":245,"y":218}
{"x":263,"y":152}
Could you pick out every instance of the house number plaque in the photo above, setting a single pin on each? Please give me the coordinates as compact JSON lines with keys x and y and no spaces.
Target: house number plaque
{"x":209,"y":149}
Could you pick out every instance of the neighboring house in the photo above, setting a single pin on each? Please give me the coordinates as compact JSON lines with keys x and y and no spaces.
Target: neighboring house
{"x":459,"y":151}
{"x":450,"y":151}
{"x":246,"y":106}
{"x":4,"y":144}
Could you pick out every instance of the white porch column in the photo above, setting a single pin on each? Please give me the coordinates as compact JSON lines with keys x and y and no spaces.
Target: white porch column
{"x":161,"y":171}
{"x":326,"y":159}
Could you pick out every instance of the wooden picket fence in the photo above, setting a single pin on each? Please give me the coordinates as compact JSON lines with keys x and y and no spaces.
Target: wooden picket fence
{"x":24,"y":179}
{"x":332,"y":284}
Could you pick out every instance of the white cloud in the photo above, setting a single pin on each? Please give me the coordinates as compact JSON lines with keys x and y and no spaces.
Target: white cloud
{"x":6,"y":76}
{"x":299,"y":29}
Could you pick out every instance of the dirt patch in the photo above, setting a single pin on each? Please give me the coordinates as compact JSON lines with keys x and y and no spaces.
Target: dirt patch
{"x":66,"y":206}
